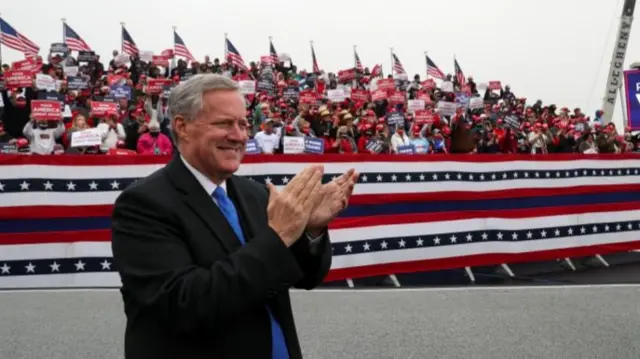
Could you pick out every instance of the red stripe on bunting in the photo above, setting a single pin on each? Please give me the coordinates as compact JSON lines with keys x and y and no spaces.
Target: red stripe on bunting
{"x":41,"y":212}
{"x":381,"y":220}
{"x":476,"y":260}
{"x":55,"y":237}
{"x":35,"y":212}
{"x":488,"y":194}
{"x":341,"y":158}
{"x":341,"y":223}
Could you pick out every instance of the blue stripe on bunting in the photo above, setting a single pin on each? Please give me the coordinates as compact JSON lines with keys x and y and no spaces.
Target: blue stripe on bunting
{"x":30,"y":185}
{"x":37,"y":266}
{"x":97,"y":223}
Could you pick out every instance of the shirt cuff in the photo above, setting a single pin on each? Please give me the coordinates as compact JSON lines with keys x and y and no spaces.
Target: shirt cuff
{"x":314,"y":243}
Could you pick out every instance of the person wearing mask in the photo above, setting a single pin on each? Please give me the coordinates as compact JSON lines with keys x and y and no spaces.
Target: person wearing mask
{"x":419,"y":143}
{"x":398,"y":139}
{"x":154,"y":142}
{"x":42,"y":135}
{"x":268,"y":141}
{"x":111,"y":132}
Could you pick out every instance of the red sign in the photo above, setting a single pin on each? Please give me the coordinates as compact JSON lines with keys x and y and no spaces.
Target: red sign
{"x":428,"y":84}
{"x":494,"y":85}
{"x":397,"y":97}
{"x":425,"y":97}
{"x":46,"y":110}
{"x":386,"y":85}
{"x":346,"y":75}
{"x":160,"y":61}
{"x":156,"y":86}
{"x":167,"y":54}
{"x":379,"y":95}
{"x":103,"y":109}
{"x":18,"y":78}
{"x":423,"y":117}
{"x":308,"y":97}
{"x":30,"y":65}
{"x":359,"y":95}
{"x":114,"y":79}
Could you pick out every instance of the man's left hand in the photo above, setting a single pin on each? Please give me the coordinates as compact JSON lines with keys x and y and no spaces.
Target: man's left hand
{"x":335,"y":197}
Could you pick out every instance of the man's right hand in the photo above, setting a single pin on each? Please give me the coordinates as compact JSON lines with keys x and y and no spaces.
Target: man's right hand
{"x":289,"y":210}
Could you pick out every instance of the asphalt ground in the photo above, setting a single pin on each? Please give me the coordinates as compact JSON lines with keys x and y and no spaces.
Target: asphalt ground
{"x":470,"y":322}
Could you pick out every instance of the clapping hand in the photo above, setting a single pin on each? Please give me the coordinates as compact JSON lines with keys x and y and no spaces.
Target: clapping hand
{"x":334,"y":197}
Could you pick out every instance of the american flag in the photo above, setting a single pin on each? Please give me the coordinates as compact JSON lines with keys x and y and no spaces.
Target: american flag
{"x":407,"y":214}
{"x":234,"y":57}
{"x":433,"y":70}
{"x":316,"y":68}
{"x":459,"y":75}
{"x":15,"y":40}
{"x":73,"y":40}
{"x":358,"y":63}
{"x":129,"y":46}
{"x":397,"y":66}
{"x":180,"y":49}
{"x":376,"y":71}
{"x":273,"y":53}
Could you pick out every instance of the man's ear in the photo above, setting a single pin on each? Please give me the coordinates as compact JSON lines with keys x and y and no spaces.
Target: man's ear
{"x":179,"y":128}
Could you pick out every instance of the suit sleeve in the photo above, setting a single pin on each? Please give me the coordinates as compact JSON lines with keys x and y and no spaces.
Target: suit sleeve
{"x":314,"y":259}
{"x":159,"y":275}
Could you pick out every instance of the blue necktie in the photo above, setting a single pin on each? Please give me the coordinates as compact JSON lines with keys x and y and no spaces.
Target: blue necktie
{"x":278,"y":345}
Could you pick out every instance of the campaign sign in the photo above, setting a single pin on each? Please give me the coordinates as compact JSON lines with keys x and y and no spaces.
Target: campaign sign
{"x":102,"y":109}
{"x":46,"y":110}
{"x":50,"y":96}
{"x":119,"y":92}
{"x":632,"y":92}
{"x":252,"y":148}
{"x":313,"y":145}
{"x":77,"y":83}
{"x":406,"y":150}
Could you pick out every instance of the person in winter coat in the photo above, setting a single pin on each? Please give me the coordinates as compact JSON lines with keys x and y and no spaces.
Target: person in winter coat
{"x":111,"y":132}
{"x":154,"y":142}
{"x":42,"y":135}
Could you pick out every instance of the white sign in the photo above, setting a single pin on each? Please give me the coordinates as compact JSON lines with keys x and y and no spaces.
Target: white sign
{"x":476,"y":102}
{"x":122,"y":59}
{"x":447,"y":108}
{"x":146,"y":56}
{"x":67,"y":112}
{"x":336,"y":95}
{"x":293,"y":145}
{"x":90,"y":137}
{"x":414,"y":105}
{"x":45,"y":82}
{"x":70,"y":70}
{"x":346,"y":90}
{"x":247,"y":87}
{"x":446,"y":86}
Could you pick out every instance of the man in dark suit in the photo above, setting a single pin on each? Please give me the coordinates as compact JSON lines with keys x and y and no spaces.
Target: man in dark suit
{"x":207,"y":258}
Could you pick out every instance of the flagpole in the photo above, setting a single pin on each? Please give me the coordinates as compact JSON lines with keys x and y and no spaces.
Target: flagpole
{"x":311,"y":45}
{"x":355,"y":68}
{"x":63,"y":22}
{"x":1,"y":48}
{"x":121,"y":38}
{"x":173,"y":59}
{"x":391,"y":49}
{"x":225,"y":46}
{"x":426,"y":64}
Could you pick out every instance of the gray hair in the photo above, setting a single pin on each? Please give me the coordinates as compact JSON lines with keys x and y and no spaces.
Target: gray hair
{"x":186,"y":98}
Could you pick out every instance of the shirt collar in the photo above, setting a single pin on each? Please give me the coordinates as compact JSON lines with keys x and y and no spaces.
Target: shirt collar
{"x":208,"y":186}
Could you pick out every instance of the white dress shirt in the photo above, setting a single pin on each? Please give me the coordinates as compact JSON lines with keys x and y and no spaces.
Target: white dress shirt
{"x":209,"y":187}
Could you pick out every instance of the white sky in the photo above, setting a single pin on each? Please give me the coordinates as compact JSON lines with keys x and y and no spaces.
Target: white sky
{"x":554,"y":50}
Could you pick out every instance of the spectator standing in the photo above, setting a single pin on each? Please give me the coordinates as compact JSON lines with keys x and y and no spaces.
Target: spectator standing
{"x":154,"y":142}
{"x":111,"y":132}
{"x":267,"y":139}
{"x":42,"y":135}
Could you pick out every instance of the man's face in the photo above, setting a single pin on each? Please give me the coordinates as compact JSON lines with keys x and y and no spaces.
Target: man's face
{"x":216,"y":139}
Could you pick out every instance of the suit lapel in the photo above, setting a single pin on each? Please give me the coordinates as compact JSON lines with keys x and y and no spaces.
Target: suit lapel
{"x":202,"y":205}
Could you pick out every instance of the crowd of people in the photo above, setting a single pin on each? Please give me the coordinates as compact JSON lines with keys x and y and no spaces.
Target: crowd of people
{"x":350,"y":112}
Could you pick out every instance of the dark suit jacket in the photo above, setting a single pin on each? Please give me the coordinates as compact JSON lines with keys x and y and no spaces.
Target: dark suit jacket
{"x":190,"y":289}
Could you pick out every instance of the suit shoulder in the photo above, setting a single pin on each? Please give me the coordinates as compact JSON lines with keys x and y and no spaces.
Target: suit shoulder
{"x":148,"y":187}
